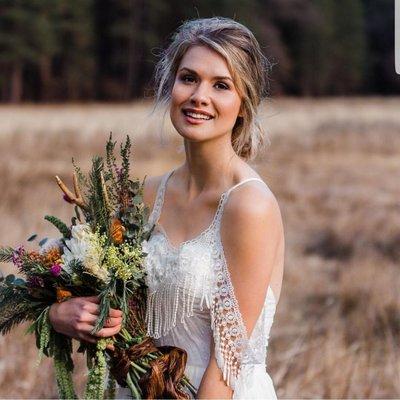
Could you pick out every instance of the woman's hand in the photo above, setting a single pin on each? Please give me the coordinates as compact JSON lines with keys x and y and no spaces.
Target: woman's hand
{"x":77,"y":316}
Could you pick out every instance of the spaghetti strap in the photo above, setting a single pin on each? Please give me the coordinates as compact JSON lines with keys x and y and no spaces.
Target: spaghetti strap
{"x":158,"y":203}
{"x":242,"y":182}
{"x":225,"y":197}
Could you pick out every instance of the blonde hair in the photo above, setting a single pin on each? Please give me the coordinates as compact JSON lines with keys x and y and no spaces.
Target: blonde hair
{"x":246,"y":62}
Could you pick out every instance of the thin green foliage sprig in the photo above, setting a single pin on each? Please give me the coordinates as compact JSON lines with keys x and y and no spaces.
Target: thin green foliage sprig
{"x":97,"y":202}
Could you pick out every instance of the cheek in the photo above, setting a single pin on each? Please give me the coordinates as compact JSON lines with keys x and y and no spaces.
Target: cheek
{"x":231,"y":106}
{"x":178,"y":94}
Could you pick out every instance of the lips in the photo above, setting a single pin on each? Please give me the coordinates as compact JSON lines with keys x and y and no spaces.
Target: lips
{"x":197,"y":114}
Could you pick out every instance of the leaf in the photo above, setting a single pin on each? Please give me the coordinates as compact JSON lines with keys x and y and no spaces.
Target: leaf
{"x":137,"y":199}
{"x":33,"y":237}
{"x":61,"y":226}
{"x":42,"y":242}
{"x":31,"y":328}
{"x":78,"y":215}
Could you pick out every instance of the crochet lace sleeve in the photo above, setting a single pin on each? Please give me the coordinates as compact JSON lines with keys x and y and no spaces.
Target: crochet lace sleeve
{"x":255,"y":237}
{"x":228,"y":328}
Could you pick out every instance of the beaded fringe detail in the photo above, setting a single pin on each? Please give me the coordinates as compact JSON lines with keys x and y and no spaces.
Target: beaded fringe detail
{"x":171,"y":302}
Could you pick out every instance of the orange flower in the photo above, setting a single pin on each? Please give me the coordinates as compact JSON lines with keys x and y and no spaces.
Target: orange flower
{"x":63,"y":294}
{"x":35,"y":256}
{"x":117,"y":231}
{"x":53,"y":256}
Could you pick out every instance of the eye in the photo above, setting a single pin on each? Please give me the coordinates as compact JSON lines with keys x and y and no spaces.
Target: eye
{"x":187,"y":78}
{"x":222,"y":86}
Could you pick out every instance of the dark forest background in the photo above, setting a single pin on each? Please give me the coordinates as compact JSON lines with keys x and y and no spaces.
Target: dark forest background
{"x":105,"y":50}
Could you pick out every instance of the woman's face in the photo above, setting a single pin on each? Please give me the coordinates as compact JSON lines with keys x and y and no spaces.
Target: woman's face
{"x":205,"y":102}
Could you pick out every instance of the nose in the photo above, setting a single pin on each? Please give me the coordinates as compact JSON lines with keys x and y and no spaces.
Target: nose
{"x":200,"y":95}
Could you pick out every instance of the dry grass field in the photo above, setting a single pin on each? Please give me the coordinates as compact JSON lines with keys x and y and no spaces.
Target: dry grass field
{"x":334,"y":166}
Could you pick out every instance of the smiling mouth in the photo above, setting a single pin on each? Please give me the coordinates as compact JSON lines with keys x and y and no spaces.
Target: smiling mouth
{"x":197,"y":115}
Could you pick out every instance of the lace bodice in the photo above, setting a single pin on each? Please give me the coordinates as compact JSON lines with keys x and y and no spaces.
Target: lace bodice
{"x":191,"y":298}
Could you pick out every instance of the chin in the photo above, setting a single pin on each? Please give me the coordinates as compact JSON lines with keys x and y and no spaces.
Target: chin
{"x":191,"y":134}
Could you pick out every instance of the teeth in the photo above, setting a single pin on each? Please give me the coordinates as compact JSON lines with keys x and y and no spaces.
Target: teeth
{"x":198,"y":116}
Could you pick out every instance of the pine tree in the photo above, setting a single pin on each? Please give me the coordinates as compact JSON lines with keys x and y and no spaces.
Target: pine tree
{"x":26,"y":40}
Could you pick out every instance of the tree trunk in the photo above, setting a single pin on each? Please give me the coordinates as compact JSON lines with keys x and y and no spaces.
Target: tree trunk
{"x":16,"y":83}
{"x":134,"y":48}
{"x":46,"y":78}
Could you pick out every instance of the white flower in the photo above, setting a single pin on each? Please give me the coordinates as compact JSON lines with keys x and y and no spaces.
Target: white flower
{"x":81,"y":231}
{"x":145,"y":246}
{"x":76,"y":250}
{"x":85,"y":247}
{"x":50,"y":244}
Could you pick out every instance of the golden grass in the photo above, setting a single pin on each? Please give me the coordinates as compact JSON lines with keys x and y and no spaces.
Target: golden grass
{"x":334,"y":166}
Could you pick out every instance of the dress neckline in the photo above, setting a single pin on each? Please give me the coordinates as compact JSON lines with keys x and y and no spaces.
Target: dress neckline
{"x":159,"y":202}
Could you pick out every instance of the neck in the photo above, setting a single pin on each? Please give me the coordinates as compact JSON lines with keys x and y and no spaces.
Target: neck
{"x":208,"y":166}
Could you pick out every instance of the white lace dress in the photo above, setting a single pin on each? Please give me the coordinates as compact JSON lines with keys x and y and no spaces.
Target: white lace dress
{"x":191,"y":300}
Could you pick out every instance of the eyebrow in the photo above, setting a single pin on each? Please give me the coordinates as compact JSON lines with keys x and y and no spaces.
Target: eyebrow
{"x":195,"y":73}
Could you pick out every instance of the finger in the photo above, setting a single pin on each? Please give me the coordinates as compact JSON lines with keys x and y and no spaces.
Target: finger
{"x":92,"y":320}
{"x":91,"y":308}
{"x":115,"y":313}
{"x":89,"y":318}
{"x":85,"y":328}
{"x":111,"y":322}
{"x":92,"y":299}
{"x":107,"y":332}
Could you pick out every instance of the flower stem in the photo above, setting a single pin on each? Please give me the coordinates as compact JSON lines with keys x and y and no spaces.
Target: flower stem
{"x":134,"y":390}
{"x":138,"y":367}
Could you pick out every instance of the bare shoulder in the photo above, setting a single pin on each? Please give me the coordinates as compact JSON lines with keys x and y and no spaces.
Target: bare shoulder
{"x":253,"y":209}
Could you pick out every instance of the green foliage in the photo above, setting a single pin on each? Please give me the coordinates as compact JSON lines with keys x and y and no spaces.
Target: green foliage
{"x":61,"y":226}
{"x":64,"y":378}
{"x":43,"y":241}
{"x":105,"y":297}
{"x":97,"y":372}
{"x":58,"y":346}
{"x":6,"y":254}
{"x":32,"y":238}
{"x":97,"y":202}
{"x":80,"y":175}
{"x":81,"y":277}
{"x":125,"y":154}
{"x":111,"y":163}
{"x":14,"y":308}
{"x":43,"y":330}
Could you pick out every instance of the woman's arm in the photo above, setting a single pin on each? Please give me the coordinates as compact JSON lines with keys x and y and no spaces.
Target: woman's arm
{"x":212,"y":385}
{"x":253,"y":241}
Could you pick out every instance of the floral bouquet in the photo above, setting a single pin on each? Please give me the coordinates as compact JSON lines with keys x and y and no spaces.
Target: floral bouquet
{"x":101,"y":253}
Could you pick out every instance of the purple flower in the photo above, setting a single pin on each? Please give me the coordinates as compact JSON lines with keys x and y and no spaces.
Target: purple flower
{"x":35,"y":281}
{"x":118,"y":172}
{"x":55,"y":269}
{"x":17,"y":256}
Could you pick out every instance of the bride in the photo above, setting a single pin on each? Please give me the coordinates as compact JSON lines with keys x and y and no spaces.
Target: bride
{"x":216,"y":254}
